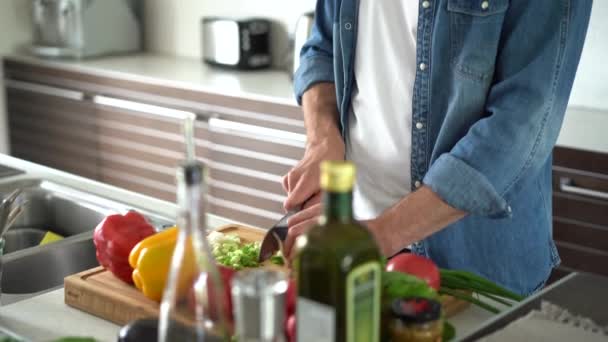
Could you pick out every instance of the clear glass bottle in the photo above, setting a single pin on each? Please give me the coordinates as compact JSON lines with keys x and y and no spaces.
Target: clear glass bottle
{"x":192,"y":308}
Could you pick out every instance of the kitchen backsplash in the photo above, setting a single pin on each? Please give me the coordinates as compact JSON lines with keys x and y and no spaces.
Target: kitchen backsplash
{"x":173,"y":27}
{"x":590,"y":87}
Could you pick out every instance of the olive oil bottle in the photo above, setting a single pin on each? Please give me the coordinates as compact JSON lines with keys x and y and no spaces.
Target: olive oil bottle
{"x":338,"y":268}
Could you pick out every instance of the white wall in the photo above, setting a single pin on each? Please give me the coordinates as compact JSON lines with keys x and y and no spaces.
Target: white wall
{"x":591,"y":84}
{"x":15,"y":31}
{"x":173,"y":27}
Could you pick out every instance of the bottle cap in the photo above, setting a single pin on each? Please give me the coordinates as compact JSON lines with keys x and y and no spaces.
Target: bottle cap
{"x":416,"y":310}
{"x":337,"y":176}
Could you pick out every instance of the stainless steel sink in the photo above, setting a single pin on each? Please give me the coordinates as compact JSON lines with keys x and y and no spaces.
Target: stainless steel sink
{"x":28,"y":268}
{"x":46,"y":268}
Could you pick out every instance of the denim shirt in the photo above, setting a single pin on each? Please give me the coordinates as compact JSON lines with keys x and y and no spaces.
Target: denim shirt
{"x":491,"y":89}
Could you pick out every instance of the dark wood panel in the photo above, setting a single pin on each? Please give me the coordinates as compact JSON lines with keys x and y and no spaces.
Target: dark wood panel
{"x":583,"y":259}
{"x":46,"y":131}
{"x":248,"y":181}
{"x":257,"y":145}
{"x":557,"y":274}
{"x":250,"y":163}
{"x":140,"y":171}
{"x":239,"y":216}
{"x":118,"y":180}
{"x":38,"y":100}
{"x":583,"y":234}
{"x":581,"y":179}
{"x":152,"y":138}
{"x":151,"y":154}
{"x":75,"y":164}
{"x":246,"y":199}
{"x":139,"y":119}
{"x":581,"y":160}
{"x":580,"y":208}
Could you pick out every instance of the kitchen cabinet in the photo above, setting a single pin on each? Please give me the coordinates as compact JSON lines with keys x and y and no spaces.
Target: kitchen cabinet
{"x":128,"y":132}
{"x":580,"y":207}
{"x":53,"y":126}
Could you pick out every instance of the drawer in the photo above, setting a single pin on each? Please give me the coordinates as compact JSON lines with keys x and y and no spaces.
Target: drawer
{"x":82,"y":164}
{"x":581,"y":234}
{"x":581,"y":160}
{"x":583,"y":259}
{"x":580,"y":196}
{"x":578,"y":208}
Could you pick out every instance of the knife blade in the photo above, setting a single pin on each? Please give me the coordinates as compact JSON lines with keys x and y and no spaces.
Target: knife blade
{"x":274,"y":237}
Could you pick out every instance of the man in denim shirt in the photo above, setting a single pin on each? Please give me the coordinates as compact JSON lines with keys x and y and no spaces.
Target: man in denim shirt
{"x":490,"y":81}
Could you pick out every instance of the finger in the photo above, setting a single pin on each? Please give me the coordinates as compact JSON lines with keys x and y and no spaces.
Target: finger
{"x":304,"y":215}
{"x":307,"y":185}
{"x":315,"y":199}
{"x":294,"y":233}
{"x":285,"y":183}
{"x":293,"y":177}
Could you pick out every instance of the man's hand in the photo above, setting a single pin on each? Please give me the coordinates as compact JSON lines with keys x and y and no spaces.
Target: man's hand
{"x":299,"y":224}
{"x":324,"y":142}
{"x":302,"y":182}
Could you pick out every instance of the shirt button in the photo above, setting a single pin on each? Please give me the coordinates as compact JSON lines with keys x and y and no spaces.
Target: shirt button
{"x":348,"y":26}
{"x":426,"y":4}
{"x":419,"y":125}
{"x":417,"y":184}
{"x":485,"y":5}
{"x":422,"y":66}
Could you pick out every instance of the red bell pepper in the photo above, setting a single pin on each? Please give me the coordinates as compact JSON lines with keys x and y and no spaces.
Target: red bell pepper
{"x":115,"y":236}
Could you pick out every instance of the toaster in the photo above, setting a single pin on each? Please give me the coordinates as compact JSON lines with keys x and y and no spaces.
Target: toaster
{"x":236,"y":43}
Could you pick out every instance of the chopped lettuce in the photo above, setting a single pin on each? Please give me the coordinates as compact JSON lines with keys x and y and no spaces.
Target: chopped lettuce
{"x":229,"y":251}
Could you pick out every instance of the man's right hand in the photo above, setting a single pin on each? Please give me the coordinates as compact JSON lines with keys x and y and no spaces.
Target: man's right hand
{"x":324,"y":142}
{"x":302,"y":183}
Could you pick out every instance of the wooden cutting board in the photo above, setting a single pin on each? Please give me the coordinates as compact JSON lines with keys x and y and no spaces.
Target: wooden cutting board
{"x":98,"y":292}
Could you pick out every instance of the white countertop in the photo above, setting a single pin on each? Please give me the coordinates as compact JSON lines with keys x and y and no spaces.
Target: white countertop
{"x":45,"y":317}
{"x":180,"y":72}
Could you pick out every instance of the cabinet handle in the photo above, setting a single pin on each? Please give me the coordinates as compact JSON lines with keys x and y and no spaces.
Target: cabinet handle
{"x":165,"y":112}
{"x":252,"y":130}
{"x":567,"y":185}
{"x":45,"y":89}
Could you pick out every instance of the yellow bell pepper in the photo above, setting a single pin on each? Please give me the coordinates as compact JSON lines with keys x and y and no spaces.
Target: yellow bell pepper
{"x":151,"y":261}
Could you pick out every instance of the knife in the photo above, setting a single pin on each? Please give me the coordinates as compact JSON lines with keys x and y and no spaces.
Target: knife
{"x":274,"y":238}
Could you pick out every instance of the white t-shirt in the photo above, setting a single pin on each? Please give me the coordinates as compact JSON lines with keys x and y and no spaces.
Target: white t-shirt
{"x":379,"y":133}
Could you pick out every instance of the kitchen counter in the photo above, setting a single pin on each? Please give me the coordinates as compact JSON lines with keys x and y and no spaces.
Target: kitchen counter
{"x":583,"y":128}
{"x":186,"y":73}
{"x":45,"y":317}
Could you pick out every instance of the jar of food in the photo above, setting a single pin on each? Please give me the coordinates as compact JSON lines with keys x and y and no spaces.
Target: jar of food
{"x":416,"y":320}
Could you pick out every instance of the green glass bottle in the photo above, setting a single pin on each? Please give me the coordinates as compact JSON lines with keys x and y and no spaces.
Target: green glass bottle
{"x":338,"y":268}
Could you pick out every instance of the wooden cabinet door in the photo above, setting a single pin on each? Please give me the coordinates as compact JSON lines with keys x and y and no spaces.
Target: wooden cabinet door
{"x":52,"y":126}
{"x":247,"y":163}
{"x":580,"y":210}
{"x":140,"y":145}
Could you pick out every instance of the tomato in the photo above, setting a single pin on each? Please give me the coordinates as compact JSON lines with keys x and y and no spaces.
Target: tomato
{"x":417,"y":266}
{"x":226,"y":275}
{"x":291,"y":298}
{"x":290,"y":328}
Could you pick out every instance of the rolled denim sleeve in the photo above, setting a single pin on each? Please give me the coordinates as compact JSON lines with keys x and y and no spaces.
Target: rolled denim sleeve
{"x":316,"y":56}
{"x":524,"y":110}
